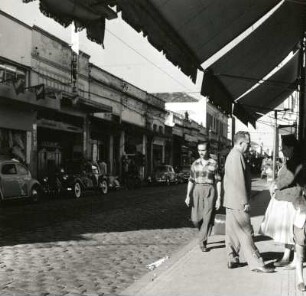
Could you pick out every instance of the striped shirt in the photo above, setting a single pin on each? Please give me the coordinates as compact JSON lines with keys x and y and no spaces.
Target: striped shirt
{"x":204,"y":172}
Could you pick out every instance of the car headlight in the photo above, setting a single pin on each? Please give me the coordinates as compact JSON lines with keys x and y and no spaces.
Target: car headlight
{"x":45,"y":179}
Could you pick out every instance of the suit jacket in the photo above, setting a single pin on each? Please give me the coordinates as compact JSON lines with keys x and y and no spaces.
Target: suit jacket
{"x":237,"y":181}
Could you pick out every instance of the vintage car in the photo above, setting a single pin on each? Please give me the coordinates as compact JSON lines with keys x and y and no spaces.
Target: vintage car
{"x":16,"y":181}
{"x":163,"y":174}
{"x":74,"y":178}
{"x":183,"y":173}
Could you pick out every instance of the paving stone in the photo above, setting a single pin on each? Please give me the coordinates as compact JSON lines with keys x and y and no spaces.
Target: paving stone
{"x":65,"y":248}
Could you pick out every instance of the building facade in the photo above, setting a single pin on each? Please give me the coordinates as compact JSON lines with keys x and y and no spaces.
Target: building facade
{"x":202,"y":121}
{"x":66,"y":108}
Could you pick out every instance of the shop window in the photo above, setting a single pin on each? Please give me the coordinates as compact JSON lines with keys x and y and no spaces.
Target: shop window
{"x":9,"y":169}
{"x":12,"y":142}
{"x":10,"y":73}
{"x":155,"y":127}
{"x":209,"y":121}
{"x":160,"y":129}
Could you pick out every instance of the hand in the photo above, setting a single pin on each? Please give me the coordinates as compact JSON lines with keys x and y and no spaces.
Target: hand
{"x":247,"y":208}
{"x":272,"y":189}
{"x":218,"y":204}
{"x":187,"y":201}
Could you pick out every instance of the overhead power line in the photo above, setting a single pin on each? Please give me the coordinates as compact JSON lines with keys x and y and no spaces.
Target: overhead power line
{"x":149,"y":61}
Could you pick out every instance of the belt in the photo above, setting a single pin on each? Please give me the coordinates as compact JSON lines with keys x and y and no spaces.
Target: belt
{"x":204,"y":184}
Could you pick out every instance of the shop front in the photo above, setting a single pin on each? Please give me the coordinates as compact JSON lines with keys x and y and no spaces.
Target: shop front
{"x":16,"y":127}
{"x":58,"y":141}
{"x":104,"y":139}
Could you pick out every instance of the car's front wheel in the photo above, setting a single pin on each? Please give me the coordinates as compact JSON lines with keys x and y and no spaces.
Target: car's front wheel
{"x":77,"y":190}
{"x":103,"y":187}
{"x":34,"y":194}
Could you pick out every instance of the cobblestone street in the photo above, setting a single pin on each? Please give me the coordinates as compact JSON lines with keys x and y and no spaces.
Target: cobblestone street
{"x":92,"y":245}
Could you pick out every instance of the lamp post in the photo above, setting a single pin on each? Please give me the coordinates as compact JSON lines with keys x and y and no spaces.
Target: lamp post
{"x":275,"y":144}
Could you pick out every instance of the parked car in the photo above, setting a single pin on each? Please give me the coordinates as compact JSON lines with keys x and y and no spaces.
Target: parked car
{"x":16,"y":181}
{"x":183,"y":173}
{"x":75,"y":178}
{"x":163,"y":174}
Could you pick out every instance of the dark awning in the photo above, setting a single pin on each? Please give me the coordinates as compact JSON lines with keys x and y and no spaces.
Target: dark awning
{"x":256,"y":56}
{"x":190,"y":31}
{"x":91,"y":106}
{"x":269,"y":94}
{"x":87,"y":14}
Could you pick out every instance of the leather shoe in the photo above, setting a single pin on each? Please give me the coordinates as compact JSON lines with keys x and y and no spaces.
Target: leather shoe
{"x":232,"y":264}
{"x":203,"y":248}
{"x":301,"y":287}
{"x":263,"y":269}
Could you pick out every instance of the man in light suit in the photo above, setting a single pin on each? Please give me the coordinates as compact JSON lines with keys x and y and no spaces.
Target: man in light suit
{"x":237,"y":190}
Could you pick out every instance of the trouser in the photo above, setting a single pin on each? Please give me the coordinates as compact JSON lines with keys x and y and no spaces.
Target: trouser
{"x":238,"y":231}
{"x":204,"y":197}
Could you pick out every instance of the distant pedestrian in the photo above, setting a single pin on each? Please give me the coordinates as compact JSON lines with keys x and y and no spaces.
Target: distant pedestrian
{"x":237,"y":190}
{"x":289,"y":187}
{"x":203,"y":193}
{"x":103,"y":167}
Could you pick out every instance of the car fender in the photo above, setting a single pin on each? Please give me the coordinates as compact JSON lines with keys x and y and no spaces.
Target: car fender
{"x":80,"y":181}
{"x":32,"y":184}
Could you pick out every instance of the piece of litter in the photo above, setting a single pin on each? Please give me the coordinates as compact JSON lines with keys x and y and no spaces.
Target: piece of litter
{"x":157,"y":263}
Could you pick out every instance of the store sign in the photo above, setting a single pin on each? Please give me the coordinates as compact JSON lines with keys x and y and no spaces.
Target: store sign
{"x":29,"y":147}
{"x":58,"y":125}
{"x":50,"y":144}
{"x":177,"y":131}
{"x":159,"y":141}
{"x":104,"y":115}
{"x":34,"y":135}
{"x":190,"y":138}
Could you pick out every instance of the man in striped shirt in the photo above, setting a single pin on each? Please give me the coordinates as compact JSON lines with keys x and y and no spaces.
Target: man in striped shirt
{"x":203,"y":192}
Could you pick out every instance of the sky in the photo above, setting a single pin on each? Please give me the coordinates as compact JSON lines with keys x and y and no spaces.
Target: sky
{"x":128,"y":55}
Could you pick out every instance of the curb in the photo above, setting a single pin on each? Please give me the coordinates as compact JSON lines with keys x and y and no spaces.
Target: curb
{"x":153,"y":275}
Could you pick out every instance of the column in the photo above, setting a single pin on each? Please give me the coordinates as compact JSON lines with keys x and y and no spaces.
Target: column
{"x":121,"y":149}
{"x":111,"y":155}
{"x":34,"y":155}
{"x":86,"y":142}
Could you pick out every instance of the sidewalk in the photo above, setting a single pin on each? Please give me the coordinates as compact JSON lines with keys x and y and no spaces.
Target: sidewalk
{"x":191,"y":272}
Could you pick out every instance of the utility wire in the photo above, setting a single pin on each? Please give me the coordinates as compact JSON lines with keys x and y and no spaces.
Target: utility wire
{"x":296,"y":1}
{"x":149,"y":61}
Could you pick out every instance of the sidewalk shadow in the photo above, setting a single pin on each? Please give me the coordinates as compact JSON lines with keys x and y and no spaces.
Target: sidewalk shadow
{"x":259,"y":203}
{"x":261,"y":238}
{"x":216,"y":245}
{"x":267,"y":256}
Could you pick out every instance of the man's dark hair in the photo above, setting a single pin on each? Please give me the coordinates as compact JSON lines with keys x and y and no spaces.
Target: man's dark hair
{"x":241,"y":135}
{"x":207,"y":143}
